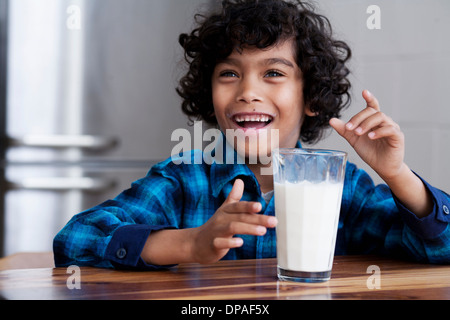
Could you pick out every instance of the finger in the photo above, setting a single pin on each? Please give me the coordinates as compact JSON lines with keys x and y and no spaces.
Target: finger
{"x":242,"y":207}
{"x":256,"y":219}
{"x":236,"y":192}
{"x":372,"y":102}
{"x":237,"y":227}
{"x":227,"y":243}
{"x":354,"y":123}
{"x":342,"y":130}
{"x":374,"y":121}
{"x":338,"y":125}
{"x":390,"y":131}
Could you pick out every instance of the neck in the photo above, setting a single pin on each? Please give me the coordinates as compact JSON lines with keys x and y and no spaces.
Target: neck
{"x":265,"y":181}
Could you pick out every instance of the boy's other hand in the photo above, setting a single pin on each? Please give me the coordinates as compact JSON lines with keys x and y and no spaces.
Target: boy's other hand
{"x":379,"y":141}
{"x":215,"y":238}
{"x":376,"y":138}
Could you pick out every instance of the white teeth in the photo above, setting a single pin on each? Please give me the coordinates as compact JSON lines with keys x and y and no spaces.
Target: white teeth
{"x":260,"y":118}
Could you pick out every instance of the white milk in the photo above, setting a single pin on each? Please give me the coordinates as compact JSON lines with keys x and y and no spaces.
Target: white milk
{"x":307,"y":216}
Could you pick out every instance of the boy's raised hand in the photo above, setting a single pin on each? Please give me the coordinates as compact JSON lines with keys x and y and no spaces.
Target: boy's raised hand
{"x":376,"y":138}
{"x":215,"y":238}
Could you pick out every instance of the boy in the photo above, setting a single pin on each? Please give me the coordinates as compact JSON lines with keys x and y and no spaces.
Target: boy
{"x":261,"y":66}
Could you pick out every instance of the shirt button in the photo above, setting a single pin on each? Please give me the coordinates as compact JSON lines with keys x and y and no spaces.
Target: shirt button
{"x":446,"y":210}
{"x":121,"y":253}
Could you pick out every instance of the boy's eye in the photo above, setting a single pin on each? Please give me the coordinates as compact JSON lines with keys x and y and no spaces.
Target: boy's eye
{"x":273,"y":73}
{"x":228,"y":74}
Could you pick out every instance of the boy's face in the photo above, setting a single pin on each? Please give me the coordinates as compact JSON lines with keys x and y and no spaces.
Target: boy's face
{"x":258,"y":91}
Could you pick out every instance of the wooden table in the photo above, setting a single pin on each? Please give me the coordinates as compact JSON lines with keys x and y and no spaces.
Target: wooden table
{"x":245,"y":279}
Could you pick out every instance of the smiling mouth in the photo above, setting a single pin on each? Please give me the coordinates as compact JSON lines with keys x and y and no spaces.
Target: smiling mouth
{"x":252,"y":121}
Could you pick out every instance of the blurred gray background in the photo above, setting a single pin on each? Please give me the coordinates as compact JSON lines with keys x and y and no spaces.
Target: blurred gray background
{"x":406,"y":65}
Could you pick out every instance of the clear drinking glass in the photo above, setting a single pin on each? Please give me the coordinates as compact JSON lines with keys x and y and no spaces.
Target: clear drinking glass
{"x":308,"y":186}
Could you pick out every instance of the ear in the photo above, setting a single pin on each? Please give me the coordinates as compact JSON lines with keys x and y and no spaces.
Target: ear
{"x":309,"y":113}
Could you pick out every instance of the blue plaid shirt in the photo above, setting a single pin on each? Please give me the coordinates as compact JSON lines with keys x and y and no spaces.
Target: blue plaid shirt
{"x":372,"y":221}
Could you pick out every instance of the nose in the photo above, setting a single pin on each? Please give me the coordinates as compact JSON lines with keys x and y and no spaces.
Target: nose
{"x":249,"y":91}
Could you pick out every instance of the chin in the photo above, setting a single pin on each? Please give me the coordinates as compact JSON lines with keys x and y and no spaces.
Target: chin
{"x":255,"y":148}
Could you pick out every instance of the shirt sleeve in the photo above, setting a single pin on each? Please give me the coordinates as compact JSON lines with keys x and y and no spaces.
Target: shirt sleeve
{"x":125,"y":247}
{"x":373,"y":220}
{"x":113,"y":234}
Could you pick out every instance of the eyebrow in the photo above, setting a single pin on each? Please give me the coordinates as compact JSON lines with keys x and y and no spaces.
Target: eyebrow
{"x":265,"y":62}
{"x":278,"y":61}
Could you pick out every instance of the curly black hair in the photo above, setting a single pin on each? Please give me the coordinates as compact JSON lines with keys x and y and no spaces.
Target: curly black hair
{"x":262,"y":24}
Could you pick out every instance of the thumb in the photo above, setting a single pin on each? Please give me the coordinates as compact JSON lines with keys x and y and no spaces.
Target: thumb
{"x":237,"y":192}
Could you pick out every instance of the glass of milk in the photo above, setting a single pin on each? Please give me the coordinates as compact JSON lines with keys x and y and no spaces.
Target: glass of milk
{"x":308,"y":187}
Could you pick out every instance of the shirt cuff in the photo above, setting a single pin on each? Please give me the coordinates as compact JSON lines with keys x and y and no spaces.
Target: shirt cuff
{"x":126,"y":245}
{"x":431,"y":226}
